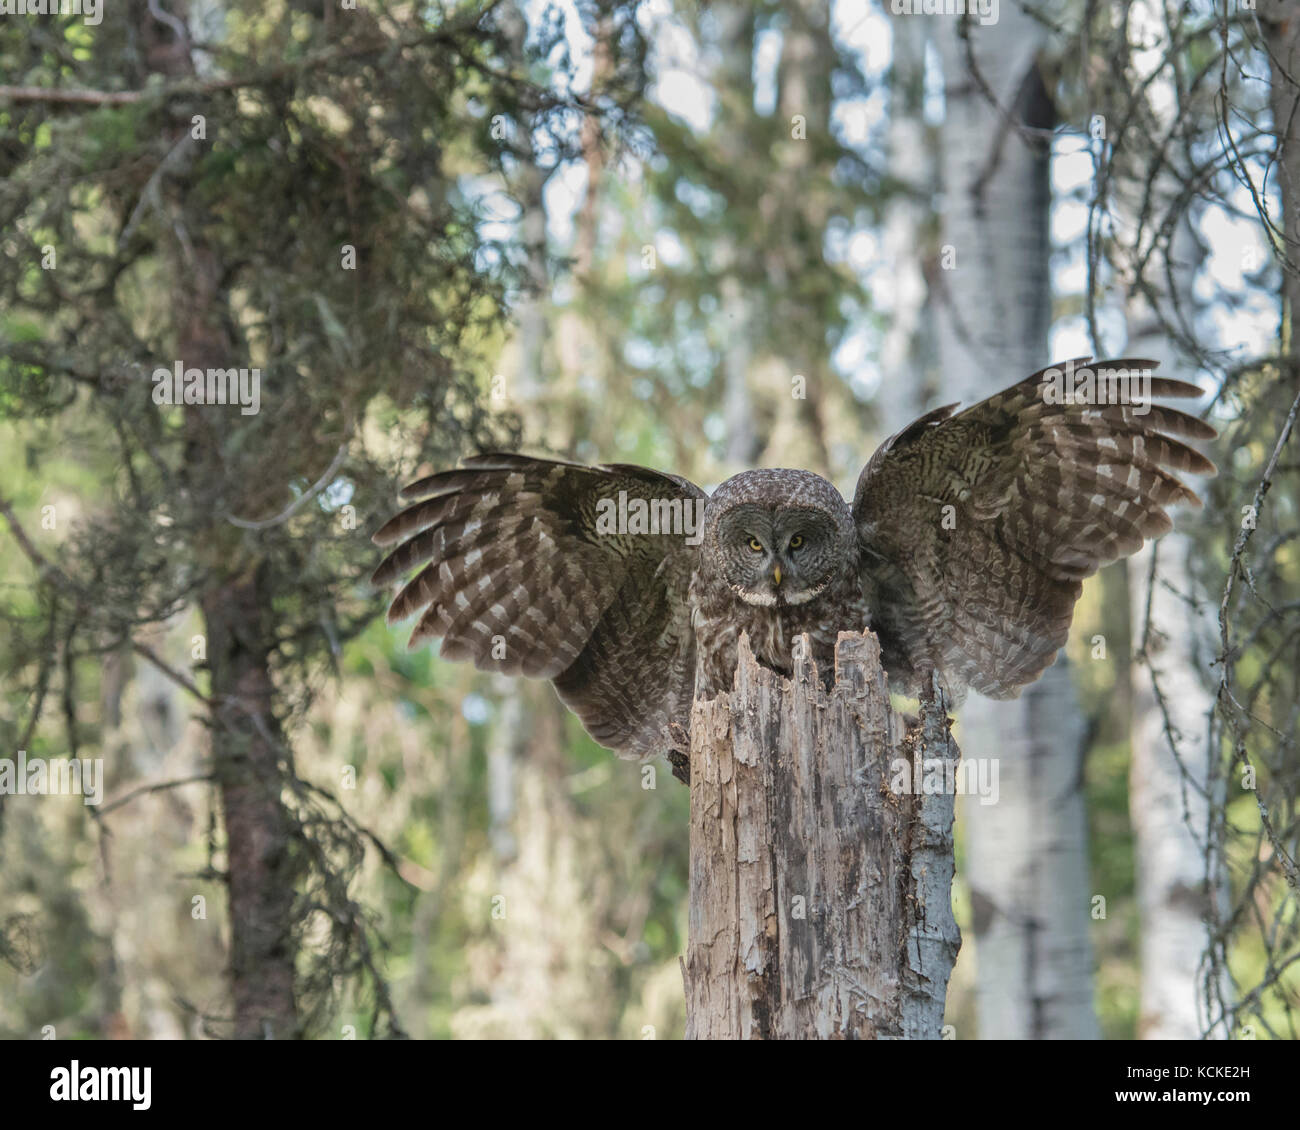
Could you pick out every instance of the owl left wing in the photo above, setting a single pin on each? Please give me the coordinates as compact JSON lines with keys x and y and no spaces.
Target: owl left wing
{"x":978,"y":528}
{"x":541,"y":568}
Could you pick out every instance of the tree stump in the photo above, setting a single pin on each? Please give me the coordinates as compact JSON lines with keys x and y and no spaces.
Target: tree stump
{"x":819,"y":897}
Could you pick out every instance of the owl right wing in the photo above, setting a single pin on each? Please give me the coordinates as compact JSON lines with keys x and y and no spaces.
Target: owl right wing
{"x":526,"y":572}
{"x":977,"y":528}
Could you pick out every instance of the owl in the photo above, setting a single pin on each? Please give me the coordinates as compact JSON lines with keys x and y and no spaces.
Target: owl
{"x":964,"y":549}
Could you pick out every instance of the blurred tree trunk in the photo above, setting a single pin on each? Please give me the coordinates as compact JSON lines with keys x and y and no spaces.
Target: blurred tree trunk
{"x":246,"y":740}
{"x":1027,"y":858}
{"x":820,"y":897}
{"x":734,"y":85}
{"x":1175,"y":639}
{"x":526,"y":184}
{"x":240,"y":626}
{"x":906,"y":353}
{"x":553,"y":904}
{"x":799,"y":212}
{"x":585,"y":345}
{"x":260,"y":860}
{"x":1168,"y":805}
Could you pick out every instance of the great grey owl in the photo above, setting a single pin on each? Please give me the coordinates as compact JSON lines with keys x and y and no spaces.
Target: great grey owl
{"x":964,"y":551}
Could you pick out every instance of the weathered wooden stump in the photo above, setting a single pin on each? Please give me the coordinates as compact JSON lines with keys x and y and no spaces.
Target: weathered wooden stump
{"x":819,"y":898}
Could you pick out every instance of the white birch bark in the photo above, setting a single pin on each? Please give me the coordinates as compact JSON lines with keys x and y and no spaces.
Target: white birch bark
{"x":1168,"y":807}
{"x":1176,"y":641}
{"x":1027,"y":855}
{"x":903,"y":351}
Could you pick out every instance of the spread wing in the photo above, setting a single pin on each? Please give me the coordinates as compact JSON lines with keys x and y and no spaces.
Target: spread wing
{"x":525,"y":572}
{"x":978,"y":528}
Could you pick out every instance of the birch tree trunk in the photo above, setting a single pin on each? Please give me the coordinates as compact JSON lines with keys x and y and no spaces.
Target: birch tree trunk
{"x":1175,"y":632}
{"x":821,"y":872}
{"x":1027,"y":855}
{"x":1169,"y":811}
{"x":907,"y":348}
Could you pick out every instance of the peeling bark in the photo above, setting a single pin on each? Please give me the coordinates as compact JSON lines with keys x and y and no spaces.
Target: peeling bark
{"x":819,"y":898}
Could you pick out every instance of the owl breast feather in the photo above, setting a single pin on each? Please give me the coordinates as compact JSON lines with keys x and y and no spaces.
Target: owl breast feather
{"x":719,"y":619}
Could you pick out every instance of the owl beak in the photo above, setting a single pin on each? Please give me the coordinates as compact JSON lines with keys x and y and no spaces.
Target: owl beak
{"x":776,"y":574}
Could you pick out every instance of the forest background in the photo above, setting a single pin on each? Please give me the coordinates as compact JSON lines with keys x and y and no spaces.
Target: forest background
{"x":698,"y":236}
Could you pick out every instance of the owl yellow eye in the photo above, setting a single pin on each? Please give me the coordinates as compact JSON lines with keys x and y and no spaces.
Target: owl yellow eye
{"x":756,"y":545}
{"x":796,"y":541}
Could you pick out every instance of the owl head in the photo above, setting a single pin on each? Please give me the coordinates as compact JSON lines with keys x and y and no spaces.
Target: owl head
{"x":778,"y":536}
